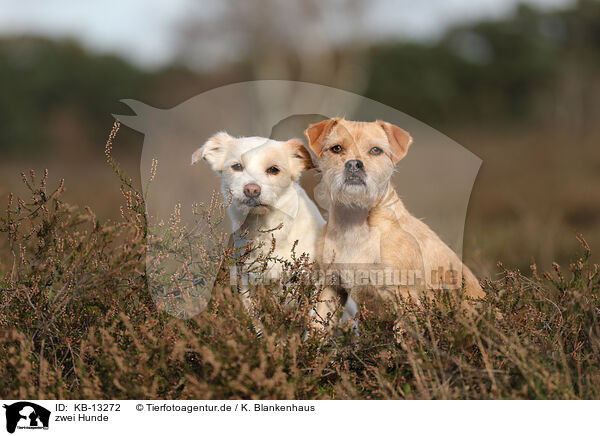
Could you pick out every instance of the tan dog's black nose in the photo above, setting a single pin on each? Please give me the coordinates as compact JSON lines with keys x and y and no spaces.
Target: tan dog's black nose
{"x":251,"y":190}
{"x":354,"y":165}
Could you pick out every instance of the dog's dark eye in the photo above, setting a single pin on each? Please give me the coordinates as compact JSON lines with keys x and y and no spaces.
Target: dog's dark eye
{"x":336,"y":149}
{"x":375,"y":151}
{"x":272,"y":170}
{"x":237,"y":167}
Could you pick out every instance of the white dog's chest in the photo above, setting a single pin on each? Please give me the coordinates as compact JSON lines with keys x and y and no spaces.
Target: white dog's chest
{"x":262,"y":253}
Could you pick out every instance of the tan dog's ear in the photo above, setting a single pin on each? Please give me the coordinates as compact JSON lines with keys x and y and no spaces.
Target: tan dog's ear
{"x":399,"y":139}
{"x":300,"y":159}
{"x":214,"y":151}
{"x":316,"y":133}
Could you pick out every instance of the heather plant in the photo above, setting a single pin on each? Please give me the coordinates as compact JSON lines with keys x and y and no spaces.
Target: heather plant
{"x":182,"y":259}
{"x":80,"y":318}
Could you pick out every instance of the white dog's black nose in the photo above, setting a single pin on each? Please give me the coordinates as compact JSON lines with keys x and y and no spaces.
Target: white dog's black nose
{"x":251,"y":190}
{"x":354,"y":165}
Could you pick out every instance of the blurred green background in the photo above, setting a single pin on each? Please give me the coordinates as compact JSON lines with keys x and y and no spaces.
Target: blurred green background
{"x":520,"y":90}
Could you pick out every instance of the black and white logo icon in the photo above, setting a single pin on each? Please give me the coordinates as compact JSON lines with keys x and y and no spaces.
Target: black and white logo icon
{"x":26,"y":415}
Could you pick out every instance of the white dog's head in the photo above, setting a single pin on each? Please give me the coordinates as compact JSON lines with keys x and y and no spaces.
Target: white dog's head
{"x":257,"y":174}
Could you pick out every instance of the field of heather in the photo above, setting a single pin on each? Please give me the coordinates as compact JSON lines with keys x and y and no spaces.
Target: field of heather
{"x":77,"y":320}
{"x":82,"y":314}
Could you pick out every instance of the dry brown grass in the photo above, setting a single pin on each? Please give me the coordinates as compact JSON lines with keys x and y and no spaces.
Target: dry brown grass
{"x":77,"y":321}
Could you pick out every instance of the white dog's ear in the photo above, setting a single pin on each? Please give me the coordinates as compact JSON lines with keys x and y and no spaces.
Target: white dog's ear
{"x":399,"y":139}
{"x":300,"y":159}
{"x":316,"y":133}
{"x":214,"y":151}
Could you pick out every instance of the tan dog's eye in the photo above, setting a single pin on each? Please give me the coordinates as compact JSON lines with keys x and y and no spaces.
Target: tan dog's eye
{"x":375,"y":151}
{"x":272,"y":170}
{"x":237,"y":167}
{"x":337,"y":148}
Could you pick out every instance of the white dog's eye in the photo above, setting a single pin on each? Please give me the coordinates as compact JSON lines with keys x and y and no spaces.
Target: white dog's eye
{"x":272,"y":170}
{"x":237,"y":167}
{"x":375,"y":151}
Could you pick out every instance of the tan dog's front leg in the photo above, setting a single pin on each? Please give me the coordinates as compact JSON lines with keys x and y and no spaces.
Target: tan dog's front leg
{"x":330,"y":301}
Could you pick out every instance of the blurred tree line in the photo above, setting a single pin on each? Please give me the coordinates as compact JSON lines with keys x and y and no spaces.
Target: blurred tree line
{"x":539,"y":67}
{"x":534,"y":68}
{"x":51,"y":86}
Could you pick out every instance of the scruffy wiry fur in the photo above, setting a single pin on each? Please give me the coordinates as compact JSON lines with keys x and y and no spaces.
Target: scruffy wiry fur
{"x":371,"y":244}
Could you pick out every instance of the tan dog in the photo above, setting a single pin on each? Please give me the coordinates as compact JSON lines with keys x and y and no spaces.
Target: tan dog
{"x":375,"y":249}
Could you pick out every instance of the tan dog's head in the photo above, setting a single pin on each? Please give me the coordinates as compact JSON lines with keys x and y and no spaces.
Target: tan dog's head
{"x":256,"y":173}
{"x":356,"y":158}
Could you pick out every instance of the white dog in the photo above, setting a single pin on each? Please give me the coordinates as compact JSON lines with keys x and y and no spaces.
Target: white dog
{"x":259,"y":179}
